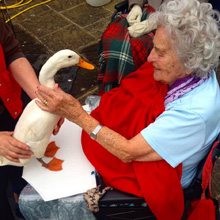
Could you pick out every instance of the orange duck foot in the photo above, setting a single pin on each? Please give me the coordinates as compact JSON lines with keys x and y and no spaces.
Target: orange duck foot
{"x":51,"y":149}
{"x":54,"y":165}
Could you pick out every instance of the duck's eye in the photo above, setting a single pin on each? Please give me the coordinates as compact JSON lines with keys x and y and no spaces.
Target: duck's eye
{"x":69,"y":56}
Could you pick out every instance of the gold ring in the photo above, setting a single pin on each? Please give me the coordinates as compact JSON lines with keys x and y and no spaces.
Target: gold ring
{"x":45,"y":102}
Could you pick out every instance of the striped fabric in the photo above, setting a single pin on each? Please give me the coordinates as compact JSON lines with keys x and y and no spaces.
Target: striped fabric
{"x":33,"y":207}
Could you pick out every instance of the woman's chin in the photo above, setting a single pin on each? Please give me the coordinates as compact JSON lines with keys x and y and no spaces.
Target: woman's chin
{"x":157,"y":75}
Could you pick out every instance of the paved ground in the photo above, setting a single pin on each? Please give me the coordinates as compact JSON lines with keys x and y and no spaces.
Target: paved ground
{"x":75,"y":25}
{"x":71,"y":24}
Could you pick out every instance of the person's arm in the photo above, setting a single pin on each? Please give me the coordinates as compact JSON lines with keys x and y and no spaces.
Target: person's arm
{"x":135,"y":149}
{"x":137,"y":27}
{"x":66,"y":106}
{"x":24,"y":74}
{"x":134,"y":15}
{"x":155,"y":3}
{"x":135,"y":8}
{"x":131,"y":3}
{"x":16,"y":62}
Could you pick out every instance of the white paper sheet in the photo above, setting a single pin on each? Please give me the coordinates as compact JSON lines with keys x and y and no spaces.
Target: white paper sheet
{"x":76,"y":176}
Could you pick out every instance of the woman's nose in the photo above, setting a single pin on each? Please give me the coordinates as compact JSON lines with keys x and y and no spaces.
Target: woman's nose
{"x":151,"y":56}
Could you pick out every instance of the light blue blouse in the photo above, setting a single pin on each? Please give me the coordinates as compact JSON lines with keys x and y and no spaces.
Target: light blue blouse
{"x":184,"y":132}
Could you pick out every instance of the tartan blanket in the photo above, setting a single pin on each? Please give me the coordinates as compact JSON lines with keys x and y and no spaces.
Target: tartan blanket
{"x":120,"y":54}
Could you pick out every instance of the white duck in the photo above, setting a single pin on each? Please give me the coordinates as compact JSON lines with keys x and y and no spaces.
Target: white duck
{"x":35,"y":126}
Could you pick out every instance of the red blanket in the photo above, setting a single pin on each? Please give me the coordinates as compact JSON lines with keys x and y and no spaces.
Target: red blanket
{"x":127,"y":110}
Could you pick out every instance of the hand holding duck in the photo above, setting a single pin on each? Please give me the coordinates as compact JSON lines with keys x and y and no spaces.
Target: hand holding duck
{"x":13,"y":149}
{"x":59,"y":102}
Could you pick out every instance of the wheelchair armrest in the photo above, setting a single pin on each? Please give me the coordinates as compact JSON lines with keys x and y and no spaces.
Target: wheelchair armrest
{"x":216,"y":151}
{"x":118,"y":197}
{"x":115,"y":196}
{"x":195,"y":188}
{"x":193,"y":192}
{"x":121,"y":6}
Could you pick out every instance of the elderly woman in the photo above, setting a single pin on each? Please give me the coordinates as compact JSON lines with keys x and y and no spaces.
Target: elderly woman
{"x":126,"y":43}
{"x":162,"y":120}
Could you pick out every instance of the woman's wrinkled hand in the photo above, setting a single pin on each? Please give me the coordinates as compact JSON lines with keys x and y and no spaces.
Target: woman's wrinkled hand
{"x":12,"y":149}
{"x":58,"y":102}
{"x":134,"y":15}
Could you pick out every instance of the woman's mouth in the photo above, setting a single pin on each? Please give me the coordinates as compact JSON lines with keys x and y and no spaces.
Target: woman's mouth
{"x":156,"y":69}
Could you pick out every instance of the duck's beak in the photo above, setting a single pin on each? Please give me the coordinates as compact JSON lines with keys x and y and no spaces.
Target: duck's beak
{"x":82,"y":63}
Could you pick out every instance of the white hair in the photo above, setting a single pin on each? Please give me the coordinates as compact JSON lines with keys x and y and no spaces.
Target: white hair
{"x":194,"y":30}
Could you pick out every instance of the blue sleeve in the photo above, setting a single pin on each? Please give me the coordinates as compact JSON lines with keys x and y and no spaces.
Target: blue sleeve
{"x":176,"y":135}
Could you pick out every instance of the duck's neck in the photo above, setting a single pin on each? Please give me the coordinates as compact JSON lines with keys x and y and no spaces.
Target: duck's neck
{"x":46,"y":75}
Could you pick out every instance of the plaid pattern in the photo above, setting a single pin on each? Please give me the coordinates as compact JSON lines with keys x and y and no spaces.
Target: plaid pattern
{"x":119,"y":53}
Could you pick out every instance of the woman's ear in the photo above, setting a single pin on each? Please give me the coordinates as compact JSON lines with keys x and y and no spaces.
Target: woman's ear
{"x":186,"y":70}
{"x":189,"y":72}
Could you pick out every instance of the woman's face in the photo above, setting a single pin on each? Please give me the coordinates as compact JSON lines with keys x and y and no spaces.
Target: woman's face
{"x":167,"y":66}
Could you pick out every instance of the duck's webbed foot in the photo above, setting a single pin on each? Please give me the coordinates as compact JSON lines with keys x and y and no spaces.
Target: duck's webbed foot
{"x":51,"y":149}
{"x":54,"y":165}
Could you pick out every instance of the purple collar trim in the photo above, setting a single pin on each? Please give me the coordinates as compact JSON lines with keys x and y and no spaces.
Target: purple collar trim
{"x":183,"y":86}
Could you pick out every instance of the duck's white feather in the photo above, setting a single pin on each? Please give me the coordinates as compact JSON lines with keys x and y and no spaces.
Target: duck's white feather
{"x":35,"y":126}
